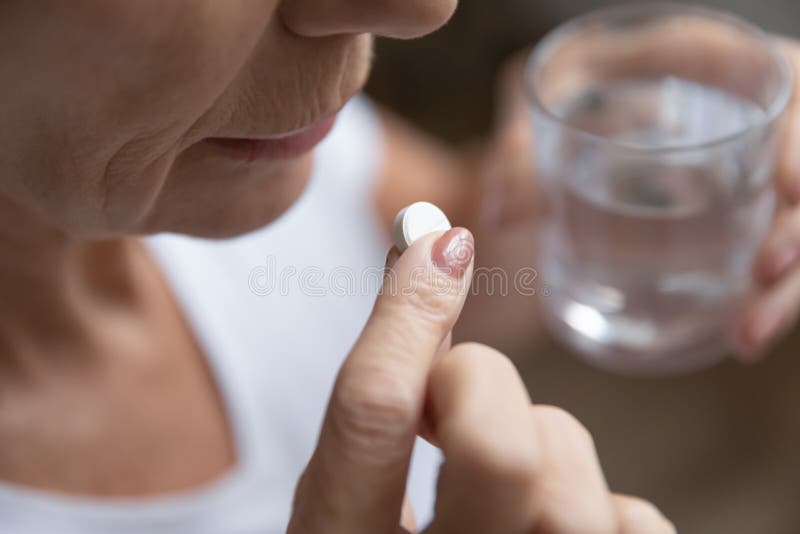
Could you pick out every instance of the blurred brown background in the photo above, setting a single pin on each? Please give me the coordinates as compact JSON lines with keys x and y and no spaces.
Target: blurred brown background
{"x":445,"y":82}
{"x":718,"y":451}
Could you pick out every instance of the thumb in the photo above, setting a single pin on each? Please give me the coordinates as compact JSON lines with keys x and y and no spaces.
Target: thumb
{"x":356,"y":479}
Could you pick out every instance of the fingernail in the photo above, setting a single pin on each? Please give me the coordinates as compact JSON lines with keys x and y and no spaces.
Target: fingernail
{"x":783,"y":260}
{"x":454,"y":251}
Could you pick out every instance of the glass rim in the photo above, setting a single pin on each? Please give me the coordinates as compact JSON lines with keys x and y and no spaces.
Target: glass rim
{"x":565,"y":31}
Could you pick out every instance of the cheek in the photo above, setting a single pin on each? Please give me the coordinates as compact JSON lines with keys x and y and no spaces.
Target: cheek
{"x":102,"y":93}
{"x":108,"y":104}
{"x":188,"y":66}
{"x":285,"y":84}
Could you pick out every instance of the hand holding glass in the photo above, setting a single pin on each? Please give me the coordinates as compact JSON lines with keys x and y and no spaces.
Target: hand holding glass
{"x":655,"y":132}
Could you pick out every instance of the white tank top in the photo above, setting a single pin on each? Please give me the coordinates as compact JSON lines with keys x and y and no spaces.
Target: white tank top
{"x":276,"y":311}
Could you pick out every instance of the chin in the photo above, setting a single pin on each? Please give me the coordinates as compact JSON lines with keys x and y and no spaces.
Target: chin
{"x":221,"y":205}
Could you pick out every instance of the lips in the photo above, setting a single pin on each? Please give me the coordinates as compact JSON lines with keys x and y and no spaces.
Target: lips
{"x":279,"y":147}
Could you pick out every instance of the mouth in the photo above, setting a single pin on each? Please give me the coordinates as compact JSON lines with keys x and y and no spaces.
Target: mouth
{"x":279,"y":147}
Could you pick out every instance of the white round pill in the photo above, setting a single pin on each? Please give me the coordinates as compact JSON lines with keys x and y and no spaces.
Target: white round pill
{"x":418,"y":220}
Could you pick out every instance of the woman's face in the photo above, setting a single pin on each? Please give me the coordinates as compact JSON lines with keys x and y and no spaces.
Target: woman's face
{"x":120,"y":116}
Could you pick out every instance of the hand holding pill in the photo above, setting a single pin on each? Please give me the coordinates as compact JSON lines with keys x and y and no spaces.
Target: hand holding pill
{"x":416,"y":221}
{"x":507,"y":469}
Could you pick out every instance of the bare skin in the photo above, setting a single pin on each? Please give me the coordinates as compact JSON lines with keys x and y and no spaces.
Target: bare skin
{"x":105,"y":128}
{"x":89,"y":327}
{"x":125,"y":371}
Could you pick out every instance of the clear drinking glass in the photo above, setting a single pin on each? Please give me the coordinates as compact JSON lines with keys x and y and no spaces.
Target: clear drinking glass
{"x":655,"y":132}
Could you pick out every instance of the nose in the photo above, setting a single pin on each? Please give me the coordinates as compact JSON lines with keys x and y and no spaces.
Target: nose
{"x":402,"y":19}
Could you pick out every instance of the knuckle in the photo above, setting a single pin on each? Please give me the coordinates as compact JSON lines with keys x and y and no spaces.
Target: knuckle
{"x":422,"y":318}
{"x":374,"y":409}
{"x":429,"y":300}
{"x":416,"y":309}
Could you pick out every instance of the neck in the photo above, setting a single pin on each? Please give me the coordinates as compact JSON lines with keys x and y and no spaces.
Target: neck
{"x":51,"y":284}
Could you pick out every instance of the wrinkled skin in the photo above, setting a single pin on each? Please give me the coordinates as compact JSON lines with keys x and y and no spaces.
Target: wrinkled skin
{"x":105,"y":104}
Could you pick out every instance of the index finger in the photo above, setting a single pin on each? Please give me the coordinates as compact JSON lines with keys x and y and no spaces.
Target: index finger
{"x":359,"y":469}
